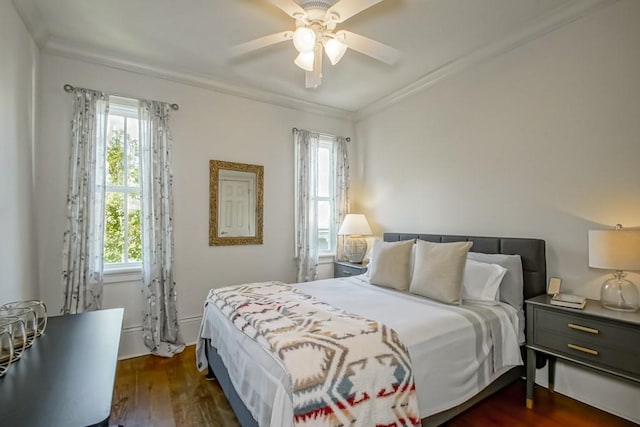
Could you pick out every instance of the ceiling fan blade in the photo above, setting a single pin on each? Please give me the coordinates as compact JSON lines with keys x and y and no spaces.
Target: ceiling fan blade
{"x":345,"y":9}
{"x":260,"y":43}
{"x":290,"y":7}
{"x":369,"y":47}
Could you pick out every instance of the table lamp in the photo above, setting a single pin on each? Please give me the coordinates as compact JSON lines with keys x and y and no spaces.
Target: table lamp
{"x":617,"y":250}
{"x":354,"y":227}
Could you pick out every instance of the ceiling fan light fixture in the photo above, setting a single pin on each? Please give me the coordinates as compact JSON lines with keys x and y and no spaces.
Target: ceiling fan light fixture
{"x":316,"y":22}
{"x":305,"y":60}
{"x":335,"y":50}
{"x":304,"y":39}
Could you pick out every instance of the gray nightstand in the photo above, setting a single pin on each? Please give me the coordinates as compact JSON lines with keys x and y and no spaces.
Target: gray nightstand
{"x":594,"y":337}
{"x":346,"y":269}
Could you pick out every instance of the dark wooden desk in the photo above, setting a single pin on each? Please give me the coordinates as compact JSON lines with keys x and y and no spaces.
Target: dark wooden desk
{"x":66,"y":378}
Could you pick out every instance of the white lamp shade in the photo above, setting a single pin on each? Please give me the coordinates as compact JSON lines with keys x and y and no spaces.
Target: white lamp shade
{"x":304,"y":39}
{"x":305,"y":60}
{"x":614,"y":249}
{"x":335,"y":50}
{"x":355,"y":224}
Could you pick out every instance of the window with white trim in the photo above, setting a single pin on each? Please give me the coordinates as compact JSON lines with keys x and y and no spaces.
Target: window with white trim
{"x":326,"y":196}
{"x":122,"y":226}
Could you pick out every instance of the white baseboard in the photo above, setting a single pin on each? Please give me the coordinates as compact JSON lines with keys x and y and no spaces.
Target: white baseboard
{"x":131,"y":344}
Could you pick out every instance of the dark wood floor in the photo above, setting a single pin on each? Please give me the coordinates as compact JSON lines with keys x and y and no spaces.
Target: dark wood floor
{"x":157,"y":392}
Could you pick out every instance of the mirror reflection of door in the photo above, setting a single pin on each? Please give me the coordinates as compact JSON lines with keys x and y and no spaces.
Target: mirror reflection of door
{"x":236,"y":193}
{"x":236,"y":204}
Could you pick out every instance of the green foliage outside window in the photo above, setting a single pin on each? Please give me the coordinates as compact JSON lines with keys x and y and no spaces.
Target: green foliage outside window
{"x":135,"y":230}
{"x":116,"y":219}
{"x":115,"y":158}
{"x":114,"y":228}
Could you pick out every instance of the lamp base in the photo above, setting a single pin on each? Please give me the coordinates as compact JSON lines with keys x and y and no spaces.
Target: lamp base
{"x":355,"y":248}
{"x":619,"y":294}
{"x":628,"y":308}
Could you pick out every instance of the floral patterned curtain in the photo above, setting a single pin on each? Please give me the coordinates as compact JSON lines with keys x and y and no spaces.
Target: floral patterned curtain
{"x":341,"y":205}
{"x":306,"y":205}
{"x":161,"y":332}
{"x":84,"y":232}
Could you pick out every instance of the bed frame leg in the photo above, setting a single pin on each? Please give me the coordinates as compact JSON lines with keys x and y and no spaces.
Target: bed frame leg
{"x":210,"y":375}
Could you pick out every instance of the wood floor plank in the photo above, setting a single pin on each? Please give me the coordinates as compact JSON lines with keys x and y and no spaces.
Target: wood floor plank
{"x":159,"y":392}
{"x":506,"y":408}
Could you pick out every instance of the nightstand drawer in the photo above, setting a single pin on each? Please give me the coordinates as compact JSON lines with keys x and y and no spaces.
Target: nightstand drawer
{"x":344,"y":269}
{"x":589,"y":340}
{"x":591,"y":352}
{"x":574,"y":325}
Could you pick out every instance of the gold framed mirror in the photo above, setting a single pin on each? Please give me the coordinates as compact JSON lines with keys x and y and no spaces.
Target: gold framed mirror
{"x":235,"y":203}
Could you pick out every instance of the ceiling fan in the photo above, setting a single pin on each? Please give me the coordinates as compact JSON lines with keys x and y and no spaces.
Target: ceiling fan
{"x":316,"y":22}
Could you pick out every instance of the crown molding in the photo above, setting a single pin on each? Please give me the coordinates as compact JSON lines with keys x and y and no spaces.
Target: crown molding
{"x":557,"y":18}
{"x":60,"y":48}
{"x":547,"y":23}
{"x":30,"y":15}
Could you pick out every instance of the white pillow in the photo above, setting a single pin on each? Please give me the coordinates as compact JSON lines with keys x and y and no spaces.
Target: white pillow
{"x":438,"y":270}
{"x":512,"y":286}
{"x":390,"y":264}
{"x":481,"y":282}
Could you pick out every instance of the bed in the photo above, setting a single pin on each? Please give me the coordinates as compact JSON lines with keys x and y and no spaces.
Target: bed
{"x":244,"y":369}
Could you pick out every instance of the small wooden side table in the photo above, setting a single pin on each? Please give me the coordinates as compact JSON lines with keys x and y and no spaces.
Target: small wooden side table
{"x":346,"y":269}
{"x":595,"y":337}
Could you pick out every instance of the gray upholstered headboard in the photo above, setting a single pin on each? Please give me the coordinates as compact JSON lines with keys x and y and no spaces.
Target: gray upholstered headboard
{"x":532,"y":252}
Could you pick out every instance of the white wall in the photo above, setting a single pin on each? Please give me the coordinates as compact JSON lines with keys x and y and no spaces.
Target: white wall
{"x":17,"y":91}
{"x":209,"y":125}
{"x":543,"y":142}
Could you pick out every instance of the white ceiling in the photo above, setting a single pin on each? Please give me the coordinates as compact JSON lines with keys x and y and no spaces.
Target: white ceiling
{"x":192,"y":37}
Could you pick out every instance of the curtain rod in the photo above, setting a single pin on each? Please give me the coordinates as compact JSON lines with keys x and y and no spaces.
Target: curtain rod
{"x":348,"y":139}
{"x":69,"y":88}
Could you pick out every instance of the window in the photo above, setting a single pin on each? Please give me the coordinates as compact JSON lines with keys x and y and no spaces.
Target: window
{"x":326,"y":197}
{"x":321,"y":198}
{"x":122,"y":226}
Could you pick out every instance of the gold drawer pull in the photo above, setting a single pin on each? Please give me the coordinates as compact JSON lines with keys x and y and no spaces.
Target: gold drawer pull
{"x":582,"y":349}
{"x":583,"y":328}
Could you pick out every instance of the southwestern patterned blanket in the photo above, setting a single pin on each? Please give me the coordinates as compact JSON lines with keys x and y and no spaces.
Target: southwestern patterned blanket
{"x":345,"y":370}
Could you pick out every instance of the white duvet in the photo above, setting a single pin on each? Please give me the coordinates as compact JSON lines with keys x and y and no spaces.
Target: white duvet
{"x":456,"y":351}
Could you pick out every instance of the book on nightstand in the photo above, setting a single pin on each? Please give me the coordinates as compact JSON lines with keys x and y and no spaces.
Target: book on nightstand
{"x":568,"y":300}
